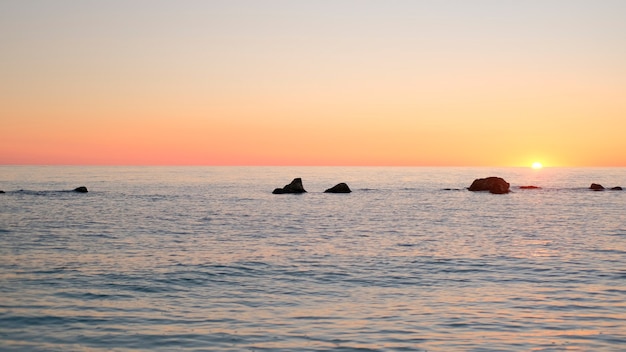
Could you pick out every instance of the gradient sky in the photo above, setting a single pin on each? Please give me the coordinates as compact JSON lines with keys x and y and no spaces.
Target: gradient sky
{"x":458,"y":83}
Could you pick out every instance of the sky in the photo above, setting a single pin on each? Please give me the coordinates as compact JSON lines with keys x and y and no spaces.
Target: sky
{"x":389,"y":83}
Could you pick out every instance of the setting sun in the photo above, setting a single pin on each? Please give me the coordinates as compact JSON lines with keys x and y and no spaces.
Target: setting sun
{"x":537,"y":165}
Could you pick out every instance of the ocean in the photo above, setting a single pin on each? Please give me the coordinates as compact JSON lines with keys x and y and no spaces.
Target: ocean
{"x":208,"y":259}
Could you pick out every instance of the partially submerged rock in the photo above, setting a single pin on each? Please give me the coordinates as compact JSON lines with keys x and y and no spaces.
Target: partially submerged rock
{"x":339,"y":188}
{"x":596,"y":187}
{"x":1,"y":191}
{"x":81,"y":189}
{"x":599,"y":187}
{"x":295,"y":187}
{"x":529,"y":187}
{"x":495,"y":185}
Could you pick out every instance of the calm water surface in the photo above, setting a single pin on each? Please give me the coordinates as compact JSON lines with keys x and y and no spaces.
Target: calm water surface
{"x":203,"y":259}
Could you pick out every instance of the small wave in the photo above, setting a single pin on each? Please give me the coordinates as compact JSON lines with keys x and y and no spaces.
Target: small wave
{"x":615,"y":291}
{"x":92,"y":296}
{"x":142,"y":288}
{"x":609,"y":251}
{"x":101,"y":235}
{"x":148,"y":197}
{"x":43,"y":193}
{"x":31,"y":321}
{"x":368,"y":189}
{"x":60,"y":270}
{"x":406,"y":245}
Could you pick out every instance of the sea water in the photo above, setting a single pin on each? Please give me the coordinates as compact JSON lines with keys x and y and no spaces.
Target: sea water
{"x":208,"y":259}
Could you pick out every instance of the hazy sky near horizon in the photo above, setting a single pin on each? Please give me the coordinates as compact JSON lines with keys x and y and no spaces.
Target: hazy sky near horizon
{"x":459,"y":83}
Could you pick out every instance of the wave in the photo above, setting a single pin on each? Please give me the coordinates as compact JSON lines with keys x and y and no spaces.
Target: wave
{"x":40,"y":193}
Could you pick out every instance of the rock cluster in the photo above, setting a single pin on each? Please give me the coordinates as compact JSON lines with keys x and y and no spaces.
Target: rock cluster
{"x":295,"y":187}
{"x":495,"y":185}
{"x":599,"y":187}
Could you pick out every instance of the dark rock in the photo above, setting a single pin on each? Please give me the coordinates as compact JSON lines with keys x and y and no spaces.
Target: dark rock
{"x":339,"y":188}
{"x":618,"y":188}
{"x":1,"y":191}
{"x":529,"y":187}
{"x":81,"y":189}
{"x":294,"y":187}
{"x":495,"y":185}
{"x":596,"y":187}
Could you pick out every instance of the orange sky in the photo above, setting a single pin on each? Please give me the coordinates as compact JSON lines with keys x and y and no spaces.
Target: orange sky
{"x":481,"y":83}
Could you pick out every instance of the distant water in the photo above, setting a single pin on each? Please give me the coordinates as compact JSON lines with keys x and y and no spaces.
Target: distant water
{"x":206,"y":258}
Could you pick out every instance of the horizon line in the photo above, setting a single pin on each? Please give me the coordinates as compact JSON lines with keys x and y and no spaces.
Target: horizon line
{"x":302,"y":165}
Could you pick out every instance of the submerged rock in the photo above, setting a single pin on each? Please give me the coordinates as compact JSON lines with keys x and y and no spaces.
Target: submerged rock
{"x":295,"y":187}
{"x":618,"y":188}
{"x":339,"y":188}
{"x":596,"y":187}
{"x":529,"y":187}
{"x":81,"y":189}
{"x":495,"y":185}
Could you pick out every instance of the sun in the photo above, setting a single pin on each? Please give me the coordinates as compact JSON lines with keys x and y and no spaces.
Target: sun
{"x":536,"y":165}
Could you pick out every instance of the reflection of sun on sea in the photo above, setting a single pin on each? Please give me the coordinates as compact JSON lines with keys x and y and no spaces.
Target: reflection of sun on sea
{"x":536,"y":165}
